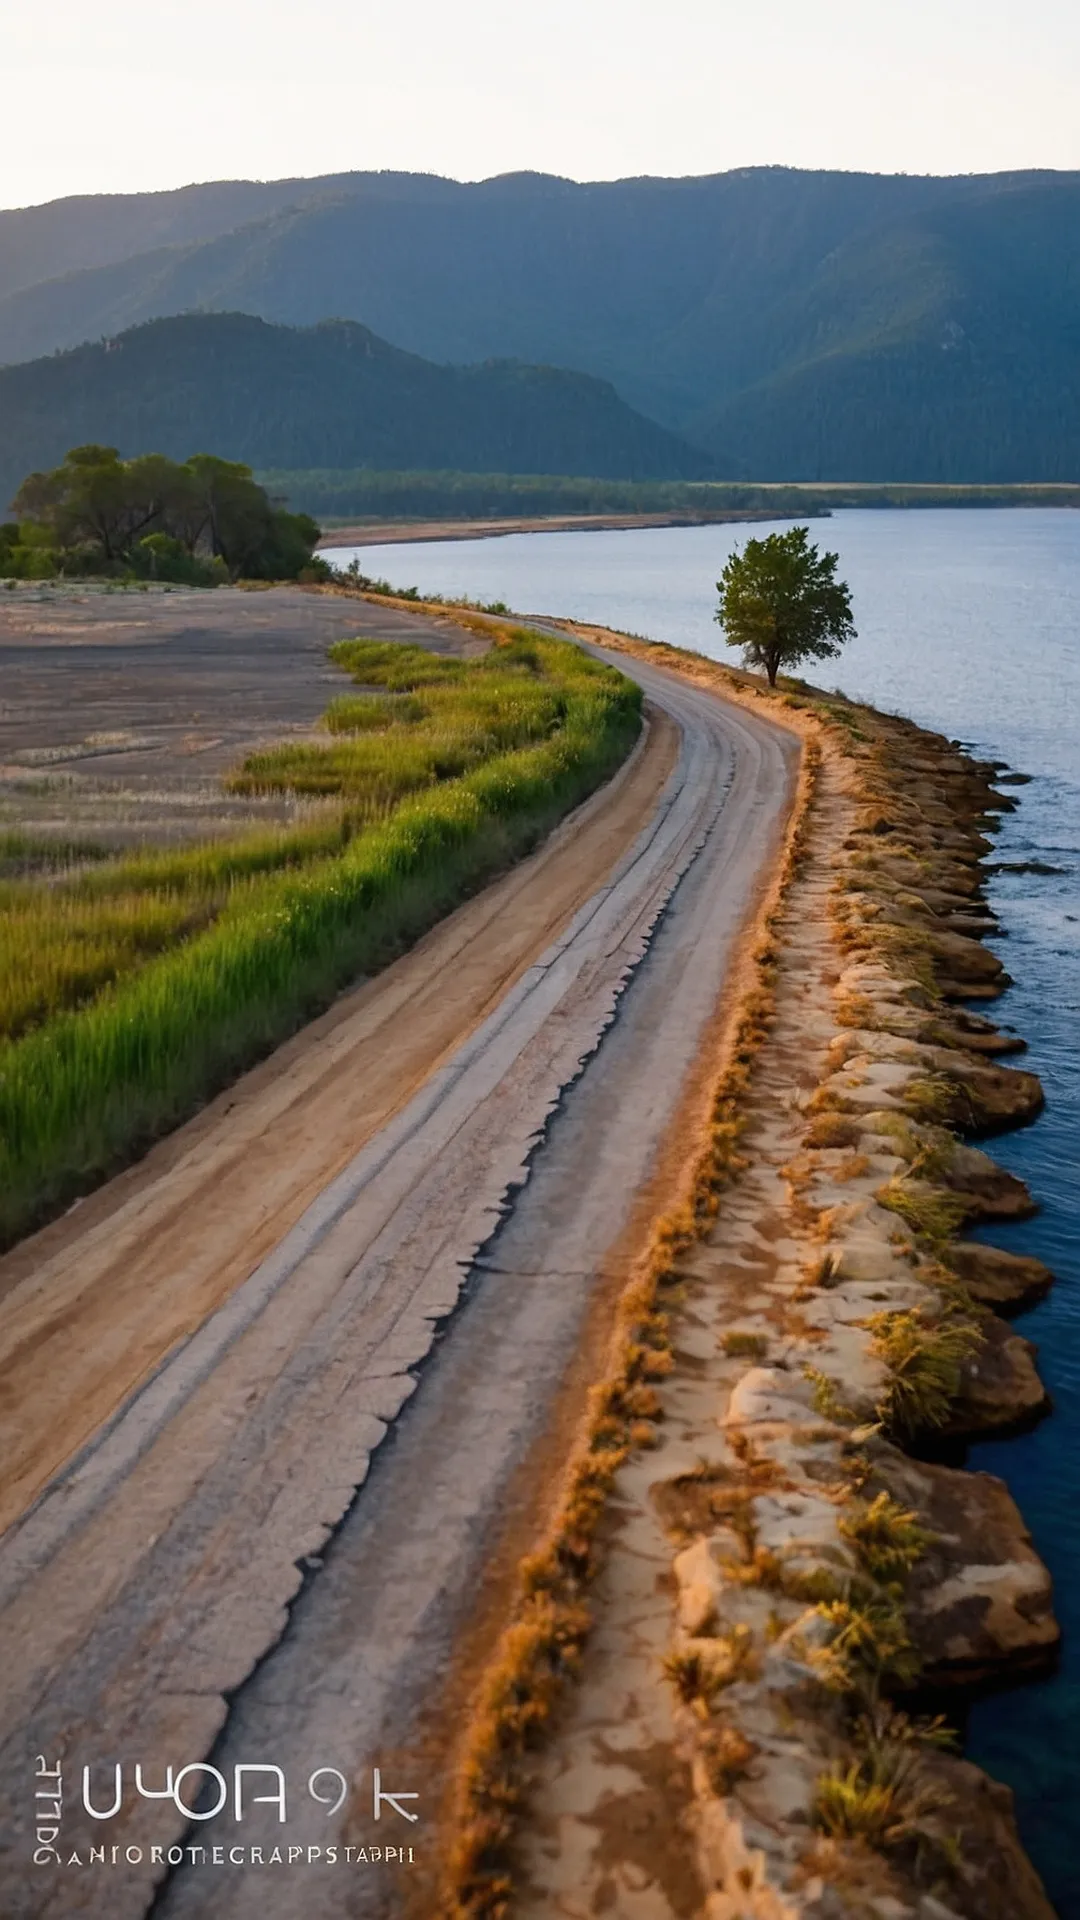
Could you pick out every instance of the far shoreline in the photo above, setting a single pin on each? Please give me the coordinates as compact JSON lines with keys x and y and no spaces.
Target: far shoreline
{"x":389,"y":533}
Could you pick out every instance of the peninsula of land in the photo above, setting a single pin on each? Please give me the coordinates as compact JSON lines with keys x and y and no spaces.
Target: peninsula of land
{"x":411,"y":532}
{"x":678,"y":1388}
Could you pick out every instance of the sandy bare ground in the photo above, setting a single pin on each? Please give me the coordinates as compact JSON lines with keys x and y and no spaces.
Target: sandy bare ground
{"x":609,"y":1829}
{"x":206,"y":1576}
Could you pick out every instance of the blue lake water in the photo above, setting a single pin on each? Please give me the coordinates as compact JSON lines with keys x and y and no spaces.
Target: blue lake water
{"x":969,"y":621}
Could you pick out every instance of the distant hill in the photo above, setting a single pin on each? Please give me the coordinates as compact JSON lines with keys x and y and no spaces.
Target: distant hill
{"x":101,"y":229}
{"x":799,"y":325}
{"x":334,"y":395}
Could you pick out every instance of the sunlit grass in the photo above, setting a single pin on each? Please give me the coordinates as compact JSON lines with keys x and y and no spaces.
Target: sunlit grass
{"x":24,"y":853}
{"x":56,"y":952}
{"x":440,"y":718}
{"x":133,"y":989}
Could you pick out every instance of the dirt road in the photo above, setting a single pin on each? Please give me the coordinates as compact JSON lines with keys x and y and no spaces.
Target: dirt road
{"x":91,"y":1307}
{"x":267,"y":1553}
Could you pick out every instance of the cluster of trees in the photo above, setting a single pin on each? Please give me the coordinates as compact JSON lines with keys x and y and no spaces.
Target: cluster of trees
{"x":200,"y":521}
{"x":398,"y":495}
{"x":339,"y":493}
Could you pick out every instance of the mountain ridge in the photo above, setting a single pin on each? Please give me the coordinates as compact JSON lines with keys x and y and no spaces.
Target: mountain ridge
{"x":802,"y":324}
{"x":334,"y":395}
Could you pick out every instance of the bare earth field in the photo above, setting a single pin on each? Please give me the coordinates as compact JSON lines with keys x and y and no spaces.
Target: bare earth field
{"x":279,"y":1403}
{"x":121,"y":710}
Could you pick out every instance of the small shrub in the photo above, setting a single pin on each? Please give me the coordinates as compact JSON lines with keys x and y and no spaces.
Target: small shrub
{"x":691,"y":1675}
{"x":883,"y":1805}
{"x":827,"y":1398}
{"x":761,"y":1568}
{"x":739,"y":1345}
{"x":923,"y":1359}
{"x":832,"y":1130}
{"x":160,"y":556}
{"x":869,"y":1642}
{"x":825,"y":1271}
{"x":827,"y":1100}
{"x":814,"y":1586}
{"x":727,"y":1754}
{"x":699,"y":1673}
{"x":931,"y":1212}
{"x":928,"y":1152}
{"x":854,"y":1010}
{"x":649,"y":1362}
{"x":887,"y":1537}
{"x":934,"y":1098}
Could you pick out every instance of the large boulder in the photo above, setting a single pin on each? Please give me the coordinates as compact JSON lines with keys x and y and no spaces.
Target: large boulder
{"x":1006,"y":1282}
{"x":979,"y":1603}
{"x":1000,"y":1390}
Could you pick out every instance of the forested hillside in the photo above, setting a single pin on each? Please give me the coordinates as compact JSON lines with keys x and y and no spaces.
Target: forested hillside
{"x":99,"y":229}
{"x":797,"y":325}
{"x":659,"y":285}
{"x":328,"y":396}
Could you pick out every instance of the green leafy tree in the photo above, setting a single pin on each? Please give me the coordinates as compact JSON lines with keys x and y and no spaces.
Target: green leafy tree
{"x":25,"y":553}
{"x":781,"y":602}
{"x":195,"y":521}
{"x":161,"y":556}
{"x":254,"y":538}
{"x":95,"y":498}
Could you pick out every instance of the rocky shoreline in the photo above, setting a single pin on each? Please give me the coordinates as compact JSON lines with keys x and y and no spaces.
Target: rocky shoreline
{"x":844,"y":1587}
{"x":813,"y":1343}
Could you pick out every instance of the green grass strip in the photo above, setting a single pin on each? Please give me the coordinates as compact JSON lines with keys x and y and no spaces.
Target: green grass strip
{"x":90,"y":1089}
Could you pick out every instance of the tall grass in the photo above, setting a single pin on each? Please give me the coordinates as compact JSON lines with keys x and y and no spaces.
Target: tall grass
{"x":91,"y":1085}
{"x":25,"y":853}
{"x":436,"y":719}
{"x":216,"y":865}
{"x":61,"y":943}
{"x":55,"y":953}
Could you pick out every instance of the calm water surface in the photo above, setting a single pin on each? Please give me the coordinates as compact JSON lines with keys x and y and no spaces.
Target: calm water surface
{"x":969,"y":621}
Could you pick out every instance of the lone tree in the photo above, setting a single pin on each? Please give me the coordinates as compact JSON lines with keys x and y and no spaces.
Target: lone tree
{"x":780,"y":601}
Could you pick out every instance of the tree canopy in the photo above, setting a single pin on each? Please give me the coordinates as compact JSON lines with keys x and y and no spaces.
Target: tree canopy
{"x":781,"y":602}
{"x":200,"y":520}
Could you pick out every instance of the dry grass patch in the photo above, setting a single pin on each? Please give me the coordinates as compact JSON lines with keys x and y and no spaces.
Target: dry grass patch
{"x":741,"y":1345}
{"x":932,"y":1213}
{"x":924,"y":1359}
{"x":831,"y":1129}
{"x":889,"y":1539}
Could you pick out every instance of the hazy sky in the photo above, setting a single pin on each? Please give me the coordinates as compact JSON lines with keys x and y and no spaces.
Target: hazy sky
{"x":123,"y":97}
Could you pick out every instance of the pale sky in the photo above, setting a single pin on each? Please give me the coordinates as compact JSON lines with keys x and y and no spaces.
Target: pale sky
{"x":128,"y":97}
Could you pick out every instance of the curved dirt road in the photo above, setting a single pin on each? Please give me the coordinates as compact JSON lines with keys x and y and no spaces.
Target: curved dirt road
{"x":90,"y":1307}
{"x":173,"y":1594}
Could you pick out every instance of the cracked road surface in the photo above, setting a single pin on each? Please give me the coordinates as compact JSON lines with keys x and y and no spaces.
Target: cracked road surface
{"x":267,"y":1553}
